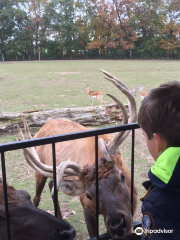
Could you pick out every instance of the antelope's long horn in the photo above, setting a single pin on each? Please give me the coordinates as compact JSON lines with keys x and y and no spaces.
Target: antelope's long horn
{"x":27,"y":132}
{"x":33,"y":160}
{"x":31,"y":152}
{"x":103,"y":147}
{"x":123,"y":109}
{"x":112,"y":77}
{"x":118,"y":138}
{"x":42,"y":172}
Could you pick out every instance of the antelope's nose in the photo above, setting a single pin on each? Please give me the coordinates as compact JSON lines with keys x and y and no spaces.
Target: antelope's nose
{"x":67,"y":234}
{"x":117,"y":227}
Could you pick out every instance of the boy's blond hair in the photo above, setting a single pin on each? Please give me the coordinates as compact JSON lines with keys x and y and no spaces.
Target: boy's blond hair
{"x":160,"y":113}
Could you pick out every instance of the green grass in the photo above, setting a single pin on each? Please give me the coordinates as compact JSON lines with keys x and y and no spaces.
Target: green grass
{"x":38,"y":85}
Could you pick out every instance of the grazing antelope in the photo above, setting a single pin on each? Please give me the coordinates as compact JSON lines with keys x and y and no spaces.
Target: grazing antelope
{"x":114,"y":178}
{"x":141,"y":93}
{"x":27,"y":221}
{"x":93,"y":95}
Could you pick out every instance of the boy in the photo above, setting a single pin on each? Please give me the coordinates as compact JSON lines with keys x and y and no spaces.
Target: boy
{"x":159,"y":118}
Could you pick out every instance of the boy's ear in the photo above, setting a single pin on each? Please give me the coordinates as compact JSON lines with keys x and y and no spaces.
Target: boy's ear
{"x":159,"y":142}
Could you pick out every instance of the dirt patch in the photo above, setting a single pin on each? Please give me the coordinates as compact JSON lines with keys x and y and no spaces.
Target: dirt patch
{"x":66,"y":212}
{"x":67,"y":73}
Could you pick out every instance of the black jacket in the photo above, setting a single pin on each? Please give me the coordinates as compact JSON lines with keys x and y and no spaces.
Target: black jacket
{"x":161,"y":204}
{"x":161,"y":212}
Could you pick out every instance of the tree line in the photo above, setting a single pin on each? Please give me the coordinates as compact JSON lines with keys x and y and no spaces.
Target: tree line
{"x":89,"y":29}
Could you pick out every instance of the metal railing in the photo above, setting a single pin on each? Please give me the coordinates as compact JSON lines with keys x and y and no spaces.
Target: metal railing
{"x":66,"y":137}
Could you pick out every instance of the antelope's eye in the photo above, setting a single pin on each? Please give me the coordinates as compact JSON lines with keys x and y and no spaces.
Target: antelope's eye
{"x":88,"y":196}
{"x":123,"y":177}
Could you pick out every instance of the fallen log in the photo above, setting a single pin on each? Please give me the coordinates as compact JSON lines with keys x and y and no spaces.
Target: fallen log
{"x":92,"y":116}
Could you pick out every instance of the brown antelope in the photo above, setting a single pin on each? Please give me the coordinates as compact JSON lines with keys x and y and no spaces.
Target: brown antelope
{"x":27,"y":221}
{"x":141,"y":93}
{"x":93,"y":95}
{"x":114,"y":178}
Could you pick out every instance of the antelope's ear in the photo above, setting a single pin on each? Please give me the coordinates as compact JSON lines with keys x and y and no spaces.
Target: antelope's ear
{"x":71,"y":187}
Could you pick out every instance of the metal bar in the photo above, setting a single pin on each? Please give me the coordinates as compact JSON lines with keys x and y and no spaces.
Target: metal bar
{"x":65,"y":137}
{"x":5,"y":195}
{"x":97,"y":188}
{"x":54,"y":177}
{"x":132,"y":170}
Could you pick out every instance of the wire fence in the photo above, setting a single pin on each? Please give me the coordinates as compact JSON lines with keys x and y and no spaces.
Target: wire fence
{"x":66,"y":137}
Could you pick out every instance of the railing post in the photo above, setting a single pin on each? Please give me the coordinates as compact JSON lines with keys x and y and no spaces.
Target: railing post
{"x":54,"y":177}
{"x":132,"y":170}
{"x":5,"y":195}
{"x":97,"y":188}
{"x":65,"y":137}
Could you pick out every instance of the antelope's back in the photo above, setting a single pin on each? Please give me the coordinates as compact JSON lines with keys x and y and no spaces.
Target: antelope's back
{"x":81,"y":151}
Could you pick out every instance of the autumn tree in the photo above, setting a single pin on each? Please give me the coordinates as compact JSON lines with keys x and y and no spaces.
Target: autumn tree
{"x":124,"y":32}
{"x":82,"y":17}
{"x":148,"y":18}
{"x":13,"y":21}
{"x":101,"y":24}
{"x":89,"y":28}
{"x":61,"y":15}
{"x":170,"y":38}
{"x":36,"y":10}
{"x":22,"y":36}
{"x":111,"y":26}
{"x":7,"y":24}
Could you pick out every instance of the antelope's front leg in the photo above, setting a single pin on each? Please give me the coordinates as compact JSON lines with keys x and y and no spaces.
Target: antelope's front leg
{"x":40,"y":183}
{"x":90,"y":219}
{"x":91,"y":102}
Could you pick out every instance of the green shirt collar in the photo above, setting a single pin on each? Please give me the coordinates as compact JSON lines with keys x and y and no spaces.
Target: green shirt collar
{"x":166,"y":163}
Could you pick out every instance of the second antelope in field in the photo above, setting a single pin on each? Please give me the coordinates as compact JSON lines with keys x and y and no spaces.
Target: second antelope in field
{"x":141,"y":93}
{"x":93,"y":95}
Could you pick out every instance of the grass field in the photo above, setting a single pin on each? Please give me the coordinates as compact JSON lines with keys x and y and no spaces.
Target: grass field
{"x":55,"y":84}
